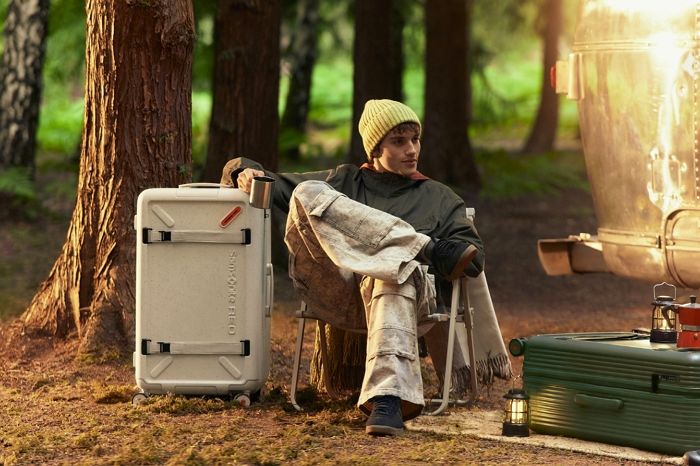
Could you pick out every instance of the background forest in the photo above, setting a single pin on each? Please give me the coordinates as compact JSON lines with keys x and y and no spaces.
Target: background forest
{"x":505,"y":65}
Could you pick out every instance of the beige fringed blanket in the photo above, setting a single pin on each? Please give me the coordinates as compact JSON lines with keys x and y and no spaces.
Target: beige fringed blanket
{"x":491,"y":356}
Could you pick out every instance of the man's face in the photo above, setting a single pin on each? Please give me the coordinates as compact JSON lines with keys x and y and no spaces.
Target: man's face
{"x":399,"y":151}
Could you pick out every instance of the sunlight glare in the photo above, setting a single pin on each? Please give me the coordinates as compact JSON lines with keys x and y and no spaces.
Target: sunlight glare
{"x":658,"y":8}
{"x":668,"y":55}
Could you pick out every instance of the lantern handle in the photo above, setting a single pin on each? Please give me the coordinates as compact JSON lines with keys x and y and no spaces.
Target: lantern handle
{"x":514,"y":379}
{"x":667,"y":284}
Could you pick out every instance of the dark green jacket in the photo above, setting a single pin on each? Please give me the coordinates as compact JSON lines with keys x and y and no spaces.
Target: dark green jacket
{"x":429,"y":206}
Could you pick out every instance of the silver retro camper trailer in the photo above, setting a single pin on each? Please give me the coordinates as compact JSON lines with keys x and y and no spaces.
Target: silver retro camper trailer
{"x":634,"y":71}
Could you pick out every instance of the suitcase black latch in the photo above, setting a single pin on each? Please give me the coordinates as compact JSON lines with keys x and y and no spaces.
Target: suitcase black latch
{"x":163,"y":347}
{"x":148,"y":236}
{"x":247,"y":237}
{"x":144,"y":347}
{"x":657,"y":378}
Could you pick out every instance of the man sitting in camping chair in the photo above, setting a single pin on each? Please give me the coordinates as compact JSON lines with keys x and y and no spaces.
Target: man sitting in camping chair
{"x":366,"y":248}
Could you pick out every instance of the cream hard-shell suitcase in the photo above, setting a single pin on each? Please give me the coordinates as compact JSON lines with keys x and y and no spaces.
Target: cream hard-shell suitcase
{"x":204,"y":292}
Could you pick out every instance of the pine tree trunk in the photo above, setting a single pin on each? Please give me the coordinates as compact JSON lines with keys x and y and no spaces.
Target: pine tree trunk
{"x":21,"y":82}
{"x":446,"y":151}
{"x":377,"y":62}
{"x":303,"y":58}
{"x":244,"y":117}
{"x":137,"y":135}
{"x":544,"y":129}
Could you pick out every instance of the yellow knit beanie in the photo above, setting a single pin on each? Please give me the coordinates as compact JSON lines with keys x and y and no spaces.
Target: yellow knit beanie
{"x":379,"y":117}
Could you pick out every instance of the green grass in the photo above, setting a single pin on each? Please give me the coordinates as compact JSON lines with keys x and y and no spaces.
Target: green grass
{"x":331,"y":94}
{"x":201,"y":109}
{"x":508,"y":175}
{"x":60,"y":124}
{"x":16,"y":182}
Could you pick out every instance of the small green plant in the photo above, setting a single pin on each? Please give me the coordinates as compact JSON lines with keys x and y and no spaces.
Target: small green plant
{"x":290,"y":138}
{"x":102,"y":356}
{"x":61,"y":123}
{"x":18,"y":196}
{"x":16,"y":182}
{"x":112,"y":394}
{"x":85,"y":441}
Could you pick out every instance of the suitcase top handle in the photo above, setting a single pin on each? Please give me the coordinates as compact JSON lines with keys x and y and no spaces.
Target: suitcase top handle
{"x":204,"y":185}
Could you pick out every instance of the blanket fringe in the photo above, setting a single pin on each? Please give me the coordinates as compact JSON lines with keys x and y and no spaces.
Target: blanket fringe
{"x":346,"y":365}
{"x":487,"y":370}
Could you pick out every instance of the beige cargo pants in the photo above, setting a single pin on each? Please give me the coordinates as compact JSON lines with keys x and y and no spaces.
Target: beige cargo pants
{"x":355,"y":266}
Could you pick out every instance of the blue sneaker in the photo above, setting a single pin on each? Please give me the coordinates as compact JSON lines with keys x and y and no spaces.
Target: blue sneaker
{"x":386,"y":416}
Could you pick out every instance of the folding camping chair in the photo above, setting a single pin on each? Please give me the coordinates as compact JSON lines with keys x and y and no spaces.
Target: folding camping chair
{"x":460,"y":312}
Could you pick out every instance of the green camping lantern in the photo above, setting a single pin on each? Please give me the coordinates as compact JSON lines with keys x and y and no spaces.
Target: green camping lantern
{"x":663,"y":317}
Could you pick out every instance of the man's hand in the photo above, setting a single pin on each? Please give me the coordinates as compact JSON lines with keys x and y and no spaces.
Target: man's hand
{"x":245,"y":178}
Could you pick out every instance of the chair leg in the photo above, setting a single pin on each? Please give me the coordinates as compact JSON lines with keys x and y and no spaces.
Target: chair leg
{"x":447,"y":379}
{"x":297,"y":359}
{"x":469,"y":323}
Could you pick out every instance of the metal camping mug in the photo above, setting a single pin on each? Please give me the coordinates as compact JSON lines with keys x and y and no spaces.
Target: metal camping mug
{"x":261,"y":192}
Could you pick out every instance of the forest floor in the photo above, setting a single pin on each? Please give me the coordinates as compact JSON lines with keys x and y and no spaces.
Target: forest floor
{"x":56,"y":409}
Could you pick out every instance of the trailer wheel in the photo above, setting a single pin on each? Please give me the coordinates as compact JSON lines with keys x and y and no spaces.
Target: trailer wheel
{"x":138,"y":398}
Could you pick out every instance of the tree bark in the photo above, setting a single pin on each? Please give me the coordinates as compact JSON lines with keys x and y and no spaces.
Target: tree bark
{"x":303,"y":58}
{"x":446,"y":152}
{"x":377,"y":61}
{"x":137,"y":135}
{"x":544,"y":129}
{"x":21,"y":82}
{"x":244,"y":118}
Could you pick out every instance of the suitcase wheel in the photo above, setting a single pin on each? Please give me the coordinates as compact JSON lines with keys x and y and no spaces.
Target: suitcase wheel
{"x":138,"y":398}
{"x":242,"y":400}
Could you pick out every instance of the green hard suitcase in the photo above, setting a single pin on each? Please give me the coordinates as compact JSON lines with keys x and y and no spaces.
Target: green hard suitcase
{"x":616,"y":388}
